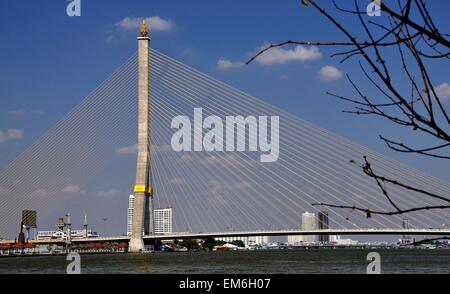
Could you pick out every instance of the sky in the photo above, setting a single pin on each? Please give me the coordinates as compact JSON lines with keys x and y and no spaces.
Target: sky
{"x":50,"y":61}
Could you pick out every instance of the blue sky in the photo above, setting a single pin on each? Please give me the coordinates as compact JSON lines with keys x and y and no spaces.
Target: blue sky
{"x":50,"y":61}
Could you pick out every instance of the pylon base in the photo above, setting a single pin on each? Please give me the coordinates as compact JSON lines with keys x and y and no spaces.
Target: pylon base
{"x":136,"y":245}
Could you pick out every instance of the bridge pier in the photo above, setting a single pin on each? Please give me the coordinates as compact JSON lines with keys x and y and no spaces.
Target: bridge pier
{"x":143,"y":191}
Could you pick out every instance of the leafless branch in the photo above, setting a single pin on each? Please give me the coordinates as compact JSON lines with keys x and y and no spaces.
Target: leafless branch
{"x":367,"y":169}
{"x":369,"y":212}
{"x":410,"y":32}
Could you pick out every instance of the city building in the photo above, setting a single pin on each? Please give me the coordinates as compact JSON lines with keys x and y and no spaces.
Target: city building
{"x":295,"y":239}
{"x":258,"y":240}
{"x":308,"y":224}
{"x":76,"y":234}
{"x":163,"y":220}
{"x":244,"y":240}
{"x":248,"y":241}
{"x":336,"y":240}
{"x":323,"y":224}
{"x":64,"y":231}
{"x":130,"y":214}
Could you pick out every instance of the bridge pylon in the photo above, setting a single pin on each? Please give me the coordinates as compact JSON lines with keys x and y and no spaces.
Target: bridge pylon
{"x":143,"y":191}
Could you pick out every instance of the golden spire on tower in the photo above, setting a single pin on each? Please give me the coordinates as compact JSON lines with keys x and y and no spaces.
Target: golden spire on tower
{"x":144,"y":30}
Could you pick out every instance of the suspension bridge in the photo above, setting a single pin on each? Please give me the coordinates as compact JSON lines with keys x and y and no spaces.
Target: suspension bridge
{"x":95,"y":145}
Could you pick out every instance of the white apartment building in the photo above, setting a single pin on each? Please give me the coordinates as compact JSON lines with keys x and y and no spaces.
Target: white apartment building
{"x":162,"y":218}
{"x":295,"y":239}
{"x":130,"y":214}
{"x":258,"y":240}
{"x":308,"y":224}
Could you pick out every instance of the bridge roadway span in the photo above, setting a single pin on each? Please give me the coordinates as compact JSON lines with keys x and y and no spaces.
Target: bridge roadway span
{"x":200,"y":235}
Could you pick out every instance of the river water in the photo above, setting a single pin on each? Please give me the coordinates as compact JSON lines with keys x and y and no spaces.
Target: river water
{"x":269,"y":261}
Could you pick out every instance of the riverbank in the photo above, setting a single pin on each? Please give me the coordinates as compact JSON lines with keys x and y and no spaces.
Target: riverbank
{"x":292,"y":249}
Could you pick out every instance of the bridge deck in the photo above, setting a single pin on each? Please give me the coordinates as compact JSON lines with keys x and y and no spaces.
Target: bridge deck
{"x":435,"y":232}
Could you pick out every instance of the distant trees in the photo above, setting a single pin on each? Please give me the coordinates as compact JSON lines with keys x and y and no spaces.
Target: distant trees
{"x":210,"y":242}
{"x":238,"y":243}
{"x":189,"y":243}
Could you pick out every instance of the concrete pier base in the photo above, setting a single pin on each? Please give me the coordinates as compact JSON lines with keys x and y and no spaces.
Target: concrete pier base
{"x":136,"y":245}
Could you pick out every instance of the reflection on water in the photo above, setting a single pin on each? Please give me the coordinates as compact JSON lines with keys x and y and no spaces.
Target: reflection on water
{"x":287,"y":261}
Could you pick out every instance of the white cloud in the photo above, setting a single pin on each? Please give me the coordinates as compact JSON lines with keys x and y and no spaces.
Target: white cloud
{"x":276,"y":55}
{"x":443,"y":91}
{"x":110,"y":38}
{"x":37,"y":112}
{"x":224,"y":64}
{"x":22,"y":111}
{"x":159,"y":24}
{"x":18,"y":112}
{"x":111,"y":193}
{"x":330,"y":73}
{"x":11,"y":134}
{"x":155,"y":24}
{"x":279,"y":55}
{"x":41,"y":193}
{"x":71,"y":189}
{"x":133,"y":149}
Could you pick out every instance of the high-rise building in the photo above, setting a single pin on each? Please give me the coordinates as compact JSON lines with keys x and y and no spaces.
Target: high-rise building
{"x":308,"y":224}
{"x":323,"y":224}
{"x":130,"y":214}
{"x":258,"y":240}
{"x":85,"y":226}
{"x":405,"y":225}
{"x":163,"y":220}
{"x":294,"y":239}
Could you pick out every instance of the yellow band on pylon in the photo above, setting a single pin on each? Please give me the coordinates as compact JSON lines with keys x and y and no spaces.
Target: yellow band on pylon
{"x":143,"y":189}
{"x":139,"y":189}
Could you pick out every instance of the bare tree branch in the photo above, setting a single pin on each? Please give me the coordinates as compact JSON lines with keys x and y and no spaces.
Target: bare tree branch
{"x":416,"y":39}
{"x":369,"y":211}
